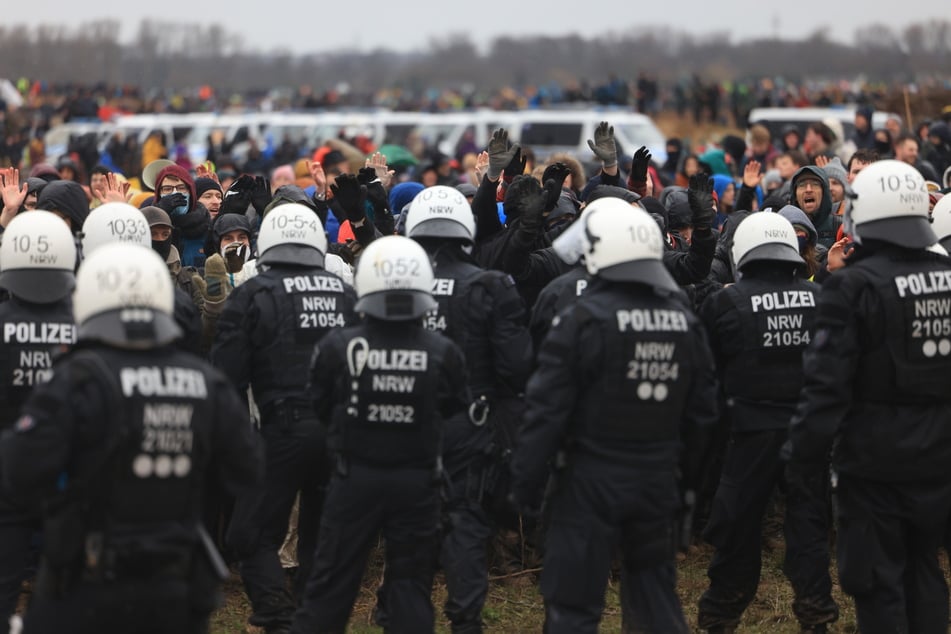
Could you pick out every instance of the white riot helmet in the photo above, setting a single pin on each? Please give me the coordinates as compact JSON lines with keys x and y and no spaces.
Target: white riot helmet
{"x":891,"y":205}
{"x":292,"y":234}
{"x":765,"y":236}
{"x":394,"y":280}
{"x":623,"y":243}
{"x":941,"y":220}
{"x":440,"y":212}
{"x":37,"y":257}
{"x":124,"y":297}
{"x":115,"y":222}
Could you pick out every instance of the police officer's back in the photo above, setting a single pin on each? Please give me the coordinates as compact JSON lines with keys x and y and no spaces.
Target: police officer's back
{"x":624,"y":386}
{"x":876,"y":395}
{"x":384,"y":387}
{"x":119,"y":445}
{"x":265,"y":339}
{"x":759,"y":327}
{"x":482,"y":312}
{"x":36,"y":267}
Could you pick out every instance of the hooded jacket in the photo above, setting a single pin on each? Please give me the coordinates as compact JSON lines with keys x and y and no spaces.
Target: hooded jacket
{"x":181,"y":174}
{"x":826,"y":224}
{"x":68,"y":198}
{"x":191,"y":227}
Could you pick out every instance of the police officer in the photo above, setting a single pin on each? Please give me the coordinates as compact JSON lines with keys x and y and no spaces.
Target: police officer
{"x":482,"y":312}
{"x":384,"y":387}
{"x":36,"y":269}
{"x":624,"y":382}
{"x":118,"y":446}
{"x":121,"y":222}
{"x":758,"y":329}
{"x":876,"y":395}
{"x":266,"y":334}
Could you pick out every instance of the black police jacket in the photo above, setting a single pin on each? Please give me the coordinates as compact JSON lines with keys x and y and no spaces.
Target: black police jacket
{"x":555,"y":297}
{"x":135,"y":436}
{"x":758,"y":330}
{"x":33,"y":336}
{"x":877,"y":371}
{"x":625,"y":375}
{"x":482,"y":312}
{"x":269,"y":325}
{"x":385,"y":388}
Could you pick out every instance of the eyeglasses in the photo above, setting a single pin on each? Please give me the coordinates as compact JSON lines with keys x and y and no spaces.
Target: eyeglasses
{"x":809,"y":182}
{"x":168,"y":189}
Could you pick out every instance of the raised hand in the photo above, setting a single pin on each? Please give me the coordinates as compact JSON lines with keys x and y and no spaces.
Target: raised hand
{"x":500,"y":153}
{"x":751,"y":175}
{"x":603,"y":144}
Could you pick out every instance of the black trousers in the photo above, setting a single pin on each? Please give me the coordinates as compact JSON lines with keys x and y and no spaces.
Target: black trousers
{"x":595,"y":508}
{"x":751,"y":472}
{"x":889,"y":536}
{"x":463,"y":555}
{"x":18,"y":555}
{"x":295,"y":460}
{"x":404,"y":505}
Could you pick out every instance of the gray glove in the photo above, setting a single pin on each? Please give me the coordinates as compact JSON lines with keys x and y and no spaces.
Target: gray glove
{"x":500,"y":153}
{"x":603,"y":145}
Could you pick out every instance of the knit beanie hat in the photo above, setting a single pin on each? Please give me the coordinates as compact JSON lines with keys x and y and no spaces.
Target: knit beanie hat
{"x":203,"y":184}
{"x":835,"y":169}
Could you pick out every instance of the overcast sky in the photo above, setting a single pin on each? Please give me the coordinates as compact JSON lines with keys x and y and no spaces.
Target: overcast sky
{"x":314,"y":25}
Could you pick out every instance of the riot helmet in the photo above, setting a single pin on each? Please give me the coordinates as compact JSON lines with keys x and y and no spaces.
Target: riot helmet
{"x":115,"y":222}
{"x":292,"y":234}
{"x":124,"y":297}
{"x":891,"y":205}
{"x":623,"y":243}
{"x":394,"y":280}
{"x":941,"y":220}
{"x":440,"y":212}
{"x":765,"y":236}
{"x":37,"y":256}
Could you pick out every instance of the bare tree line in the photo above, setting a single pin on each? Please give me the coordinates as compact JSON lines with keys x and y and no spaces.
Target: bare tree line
{"x":173,"y":56}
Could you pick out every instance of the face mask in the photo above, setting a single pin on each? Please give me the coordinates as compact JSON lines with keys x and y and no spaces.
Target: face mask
{"x":181,"y":209}
{"x":803,"y":241}
{"x":163,"y":248}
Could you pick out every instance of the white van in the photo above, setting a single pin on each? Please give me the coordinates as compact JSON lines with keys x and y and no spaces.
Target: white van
{"x":777,"y":119}
{"x":550,"y":131}
{"x":543,"y":131}
{"x":56,"y":140}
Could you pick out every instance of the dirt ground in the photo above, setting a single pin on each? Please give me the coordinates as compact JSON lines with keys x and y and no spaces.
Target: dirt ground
{"x":515,"y":605}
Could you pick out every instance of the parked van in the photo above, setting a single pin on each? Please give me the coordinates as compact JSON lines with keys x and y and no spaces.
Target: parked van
{"x":777,"y":119}
{"x":550,"y":131}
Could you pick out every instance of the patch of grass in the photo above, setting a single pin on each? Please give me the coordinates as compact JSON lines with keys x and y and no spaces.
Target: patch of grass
{"x":515,"y":605}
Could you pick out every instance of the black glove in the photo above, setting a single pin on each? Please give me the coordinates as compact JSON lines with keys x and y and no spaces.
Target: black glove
{"x":537,"y":202}
{"x":500,"y":154}
{"x":516,"y":166}
{"x":366,"y":175}
{"x":557,"y":172}
{"x":235,"y":257}
{"x":238,"y":197}
{"x":603,"y":144}
{"x":261,"y":194}
{"x":170,"y":202}
{"x":700,"y":198}
{"x":639,"y":165}
{"x":350,"y":195}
